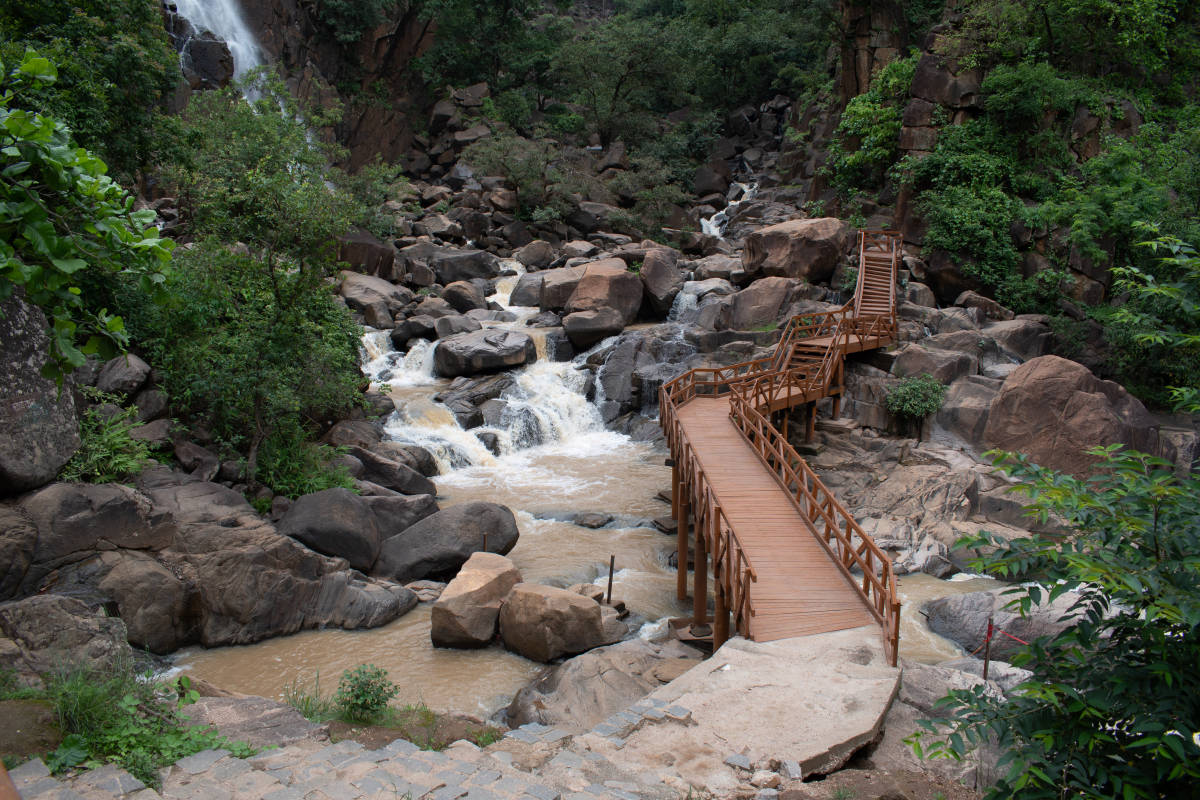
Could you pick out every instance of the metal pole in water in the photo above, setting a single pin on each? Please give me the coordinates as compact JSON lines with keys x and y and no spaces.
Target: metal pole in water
{"x":612,"y":563}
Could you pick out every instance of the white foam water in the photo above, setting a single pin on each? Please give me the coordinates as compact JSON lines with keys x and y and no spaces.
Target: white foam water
{"x":715,"y":225}
{"x":224,"y":18}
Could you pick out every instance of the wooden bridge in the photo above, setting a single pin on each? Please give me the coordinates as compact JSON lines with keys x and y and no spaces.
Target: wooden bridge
{"x":787,"y":558}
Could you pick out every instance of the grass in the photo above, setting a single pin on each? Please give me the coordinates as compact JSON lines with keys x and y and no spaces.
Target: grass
{"x":121,"y":717}
{"x":414,"y":722}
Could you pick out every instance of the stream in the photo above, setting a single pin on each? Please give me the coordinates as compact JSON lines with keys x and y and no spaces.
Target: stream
{"x":555,"y":458}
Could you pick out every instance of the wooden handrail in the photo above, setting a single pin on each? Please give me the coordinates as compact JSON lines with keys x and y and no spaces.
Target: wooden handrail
{"x":755,"y":388}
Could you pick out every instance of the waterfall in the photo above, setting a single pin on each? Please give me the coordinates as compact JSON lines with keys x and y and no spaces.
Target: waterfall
{"x":715,"y":225}
{"x":224,"y":18}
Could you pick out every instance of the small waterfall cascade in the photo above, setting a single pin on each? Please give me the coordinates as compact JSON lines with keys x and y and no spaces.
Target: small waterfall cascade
{"x":224,"y":18}
{"x":715,"y":225}
{"x":546,"y":406}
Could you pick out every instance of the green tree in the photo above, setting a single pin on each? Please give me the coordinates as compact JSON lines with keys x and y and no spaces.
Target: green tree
{"x":1113,"y":706}
{"x":115,"y":67}
{"x":252,"y":341}
{"x":63,"y":221}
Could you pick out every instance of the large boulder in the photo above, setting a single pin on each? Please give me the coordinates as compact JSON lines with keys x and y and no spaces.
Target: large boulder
{"x":806,"y":249}
{"x":392,"y":474}
{"x":206,"y":62}
{"x":586,"y":328}
{"x":1024,"y":338}
{"x":449,"y":264}
{"x":544,"y":622}
{"x":964,"y":414}
{"x":41,"y":633}
{"x":466,"y":613}
{"x":607,"y":284}
{"x":558,"y":285}
{"x":537,"y":254}
{"x":483,"y":351}
{"x":661,"y":278}
{"x":464,"y":296}
{"x":527,"y":292}
{"x":963,"y":619}
{"x":367,"y":292}
{"x":396,"y":513}
{"x":365,"y":253}
{"x":583,"y":691}
{"x":38,"y":429}
{"x":761,"y":303}
{"x":1053,"y":410}
{"x":335,"y":522}
{"x":123,"y":375}
{"x":440,"y":544}
{"x":944,"y":365}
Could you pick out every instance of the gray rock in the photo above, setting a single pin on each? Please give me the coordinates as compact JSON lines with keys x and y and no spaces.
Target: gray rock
{"x":257,"y":721}
{"x":442,"y":542}
{"x":396,"y":514}
{"x":544,"y":622}
{"x":38,"y":429}
{"x":467,"y":610}
{"x":335,"y":522}
{"x":392,"y":474}
{"x":42,"y":632}
{"x":483,"y":351}
{"x":123,"y":375}
{"x":962,"y":618}
{"x":586,"y":328}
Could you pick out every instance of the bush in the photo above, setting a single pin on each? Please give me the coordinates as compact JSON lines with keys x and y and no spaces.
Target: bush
{"x":363,"y":693}
{"x":106,"y":451}
{"x":867,"y":139}
{"x":1112,"y":708}
{"x":916,"y":397}
{"x":124,"y":718}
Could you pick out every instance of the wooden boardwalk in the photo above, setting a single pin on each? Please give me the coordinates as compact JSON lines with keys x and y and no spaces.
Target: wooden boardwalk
{"x":787,"y":558}
{"x":800,"y":590}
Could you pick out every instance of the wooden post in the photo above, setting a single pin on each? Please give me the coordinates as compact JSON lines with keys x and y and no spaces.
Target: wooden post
{"x":812,"y":422}
{"x":681,"y":542}
{"x":700,"y":592}
{"x":721,"y":614}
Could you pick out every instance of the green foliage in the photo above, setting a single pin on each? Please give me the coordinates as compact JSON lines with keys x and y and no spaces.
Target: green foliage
{"x":866,"y":142}
{"x":312,"y":705}
{"x":363,"y":693}
{"x":293,"y":466}
{"x":115,"y":67}
{"x":849,"y":279}
{"x":1162,"y":316}
{"x":1113,"y":706}
{"x":106,"y":451}
{"x":349,"y":20}
{"x":63,"y":220}
{"x":123,"y":718}
{"x":536,"y":168}
{"x":916,"y":397}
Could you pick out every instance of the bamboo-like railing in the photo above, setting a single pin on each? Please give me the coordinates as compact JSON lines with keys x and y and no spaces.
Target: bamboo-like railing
{"x":757,"y":387}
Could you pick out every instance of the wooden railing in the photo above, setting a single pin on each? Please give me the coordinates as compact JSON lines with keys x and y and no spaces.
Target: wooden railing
{"x":732,"y":570}
{"x":754,"y":389}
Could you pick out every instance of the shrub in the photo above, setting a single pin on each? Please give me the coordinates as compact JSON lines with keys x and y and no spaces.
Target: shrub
{"x":1112,"y":707}
{"x":106,"y":451}
{"x":866,"y":142}
{"x":363,"y":693}
{"x":916,"y":397}
{"x":124,"y":718}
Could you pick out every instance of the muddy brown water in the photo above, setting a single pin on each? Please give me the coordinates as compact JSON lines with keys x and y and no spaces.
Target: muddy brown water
{"x":556,"y":458}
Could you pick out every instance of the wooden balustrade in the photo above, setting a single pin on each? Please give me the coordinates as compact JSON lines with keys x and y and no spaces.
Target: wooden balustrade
{"x":755,"y":389}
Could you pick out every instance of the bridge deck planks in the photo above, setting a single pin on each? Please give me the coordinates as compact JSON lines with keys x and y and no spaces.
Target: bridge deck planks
{"x":800,"y":590}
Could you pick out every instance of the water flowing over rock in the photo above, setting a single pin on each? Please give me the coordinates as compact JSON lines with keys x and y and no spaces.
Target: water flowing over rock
{"x":38,"y":429}
{"x":483,"y":351}
{"x":466,"y":613}
{"x":224,"y":19}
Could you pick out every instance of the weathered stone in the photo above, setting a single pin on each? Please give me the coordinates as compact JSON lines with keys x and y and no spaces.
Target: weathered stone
{"x":583,"y":691}
{"x":396,"y":514}
{"x":806,"y":249}
{"x":964,"y":413}
{"x":442,"y":542}
{"x":537,"y":254}
{"x":661,"y":278}
{"x":123,"y":375}
{"x":464,"y":296}
{"x":38,"y":429}
{"x":366,"y":254}
{"x":607,"y":284}
{"x":483,"y":351}
{"x":453,"y":325}
{"x":1053,"y":410}
{"x":335,"y":522}
{"x":259,"y":722}
{"x":944,"y":365}
{"x":586,"y":328}
{"x":544,"y":622}
{"x":991,"y":309}
{"x":362,"y":291}
{"x":198,"y":461}
{"x":527,"y":292}
{"x":963,"y":619}
{"x":558,"y":285}
{"x":466,"y":612}
{"x":1024,"y":338}
{"x":49,"y":630}
{"x":761,"y":303}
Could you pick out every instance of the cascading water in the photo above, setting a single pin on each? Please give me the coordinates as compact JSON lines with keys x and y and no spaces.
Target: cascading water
{"x":224,"y":18}
{"x":715,"y":225}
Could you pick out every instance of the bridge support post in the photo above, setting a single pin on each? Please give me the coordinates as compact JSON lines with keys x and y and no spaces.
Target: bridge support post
{"x":681,"y":542}
{"x":720,"y":614}
{"x":812,"y":422}
{"x":700,"y":592}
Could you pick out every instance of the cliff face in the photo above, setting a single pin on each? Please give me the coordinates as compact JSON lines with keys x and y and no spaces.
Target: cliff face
{"x":372,"y":78}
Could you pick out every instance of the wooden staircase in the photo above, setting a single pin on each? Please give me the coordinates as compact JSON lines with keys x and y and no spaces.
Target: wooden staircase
{"x":769,"y":583}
